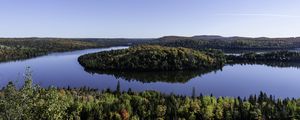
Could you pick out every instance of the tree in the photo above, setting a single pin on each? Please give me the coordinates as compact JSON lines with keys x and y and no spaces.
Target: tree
{"x":118,"y":87}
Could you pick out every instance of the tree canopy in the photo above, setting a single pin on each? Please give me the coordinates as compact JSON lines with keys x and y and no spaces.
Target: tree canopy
{"x":32,"y":102}
{"x":230,"y":44}
{"x":24,"y":48}
{"x":152,"y":57}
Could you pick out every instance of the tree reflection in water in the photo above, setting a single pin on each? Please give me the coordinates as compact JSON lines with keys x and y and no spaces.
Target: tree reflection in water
{"x":161,"y":76}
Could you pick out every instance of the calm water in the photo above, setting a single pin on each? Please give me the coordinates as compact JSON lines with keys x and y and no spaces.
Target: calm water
{"x":63,"y":70}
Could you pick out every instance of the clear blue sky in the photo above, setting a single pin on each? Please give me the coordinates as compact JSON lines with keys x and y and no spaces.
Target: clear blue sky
{"x":149,"y":18}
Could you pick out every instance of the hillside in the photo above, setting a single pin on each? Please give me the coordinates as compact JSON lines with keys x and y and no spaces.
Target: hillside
{"x":23,"y":48}
{"x":230,"y":43}
{"x":278,"y":56}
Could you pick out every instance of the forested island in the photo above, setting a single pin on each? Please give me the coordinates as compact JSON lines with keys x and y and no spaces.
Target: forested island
{"x":152,"y":57}
{"x":34,"y":103}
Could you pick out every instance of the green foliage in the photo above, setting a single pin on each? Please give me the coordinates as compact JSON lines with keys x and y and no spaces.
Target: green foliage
{"x":278,"y":56}
{"x":149,"y":58}
{"x":15,"y":49}
{"x":11,"y":53}
{"x":274,"y":59}
{"x":32,"y":102}
{"x":23,"y":48}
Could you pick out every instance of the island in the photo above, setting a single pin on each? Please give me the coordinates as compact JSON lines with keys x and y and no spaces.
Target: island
{"x":152,"y":58}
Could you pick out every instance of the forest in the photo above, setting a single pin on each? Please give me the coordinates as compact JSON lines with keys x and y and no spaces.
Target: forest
{"x":152,"y":57}
{"x":32,"y":102}
{"x":23,"y":48}
{"x":278,"y":56}
{"x":16,"y":49}
{"x":230,"y":44}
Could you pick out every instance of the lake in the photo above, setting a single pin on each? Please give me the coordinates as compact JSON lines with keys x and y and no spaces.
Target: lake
{"x":63,"y":70}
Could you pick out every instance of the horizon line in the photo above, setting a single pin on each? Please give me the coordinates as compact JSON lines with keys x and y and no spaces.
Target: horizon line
{"x":224,"y":36}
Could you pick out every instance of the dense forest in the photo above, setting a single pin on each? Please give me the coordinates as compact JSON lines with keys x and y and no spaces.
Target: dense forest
{"x":15,"y":49}
{"x":230,"y":44}
{"x":278,"y":56}
{"x":11,"y":53}
{"x":23,"y":48}
{"x":152,"y":57}
{"x":32,"y":102}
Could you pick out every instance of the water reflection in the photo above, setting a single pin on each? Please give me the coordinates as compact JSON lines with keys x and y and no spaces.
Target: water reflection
{"x":63,"y":70}
{"x":271,"y":64}
{"x":180,"y":76}
{"x":149,"y":77}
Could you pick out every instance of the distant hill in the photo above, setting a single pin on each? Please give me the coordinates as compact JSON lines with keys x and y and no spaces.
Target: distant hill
{"x":208,"y":37}
{"x":230,"y":43}
{"x":211,"y":37}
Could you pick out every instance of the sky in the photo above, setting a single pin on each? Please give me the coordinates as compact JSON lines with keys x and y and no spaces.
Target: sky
{"x":149,"y":18}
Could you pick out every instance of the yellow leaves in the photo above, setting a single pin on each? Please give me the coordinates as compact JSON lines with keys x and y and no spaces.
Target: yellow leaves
{"x":62,"y":92}
{"x":161,"y":110}
{"x":195,"y":106}
{"x":124,"y":114}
